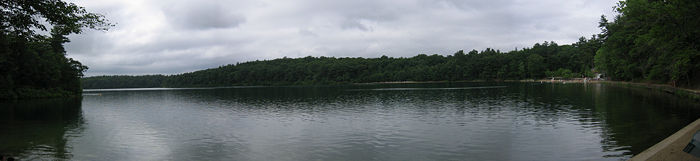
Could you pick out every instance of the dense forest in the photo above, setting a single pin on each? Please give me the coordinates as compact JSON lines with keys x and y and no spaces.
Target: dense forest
{"x":648,"y":41}
{"x":546,"y":59}
{"x":484,"y":65}
{"x":34,"y":65}
{"x":654,"y":41}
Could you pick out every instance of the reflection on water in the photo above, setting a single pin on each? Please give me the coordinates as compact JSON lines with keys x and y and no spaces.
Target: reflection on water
{"x":39,"y":128}
{"x":463,"y":121}
{"x":414,"y":89}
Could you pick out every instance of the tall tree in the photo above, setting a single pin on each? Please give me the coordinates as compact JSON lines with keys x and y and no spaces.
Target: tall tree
{"x":35,"y":65}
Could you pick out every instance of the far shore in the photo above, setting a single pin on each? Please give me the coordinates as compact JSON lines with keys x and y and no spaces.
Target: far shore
{"x":664,"y":87}
{"x":678,"y":91}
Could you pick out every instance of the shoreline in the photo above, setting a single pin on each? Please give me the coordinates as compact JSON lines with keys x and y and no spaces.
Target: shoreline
{"x":671,"y":147}
{"x":693,"y":94}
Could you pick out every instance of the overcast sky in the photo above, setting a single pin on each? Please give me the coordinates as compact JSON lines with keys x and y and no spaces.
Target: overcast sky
{"x":175,"y":36}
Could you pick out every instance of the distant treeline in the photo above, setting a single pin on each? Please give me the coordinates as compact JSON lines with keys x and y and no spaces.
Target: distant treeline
{"x":649,"y":41}
{"x":123,"y":81}
{"x":546,"y":59}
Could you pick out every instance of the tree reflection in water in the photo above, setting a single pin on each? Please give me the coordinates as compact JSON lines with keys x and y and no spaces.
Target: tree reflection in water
{"x":34,"y":129}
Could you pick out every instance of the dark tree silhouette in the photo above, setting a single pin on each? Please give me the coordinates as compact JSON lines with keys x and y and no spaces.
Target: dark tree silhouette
{"x":35,"y":65}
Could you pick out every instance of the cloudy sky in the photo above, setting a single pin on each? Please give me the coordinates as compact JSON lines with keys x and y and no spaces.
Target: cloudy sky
{"x":175,"y":36}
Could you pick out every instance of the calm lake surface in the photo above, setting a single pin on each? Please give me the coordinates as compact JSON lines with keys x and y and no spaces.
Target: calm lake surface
{"x":460,"y":121}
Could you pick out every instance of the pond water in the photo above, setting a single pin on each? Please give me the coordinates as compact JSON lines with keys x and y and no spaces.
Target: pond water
{"x":443,"y":121}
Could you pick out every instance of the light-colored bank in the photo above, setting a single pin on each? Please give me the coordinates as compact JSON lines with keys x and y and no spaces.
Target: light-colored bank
{"x":671,"y":148}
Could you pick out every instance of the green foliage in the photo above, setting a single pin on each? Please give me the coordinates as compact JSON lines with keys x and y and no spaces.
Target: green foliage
{"x":23,"y":17}
{"x":653,"y":41}
{"x":564,"y":73}
{"x":34,"y":65}
{"x":488,"y":64}
{"x":535,"y":65}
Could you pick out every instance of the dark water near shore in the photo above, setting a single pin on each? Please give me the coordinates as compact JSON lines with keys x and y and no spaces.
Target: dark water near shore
{"x":463,"y":121}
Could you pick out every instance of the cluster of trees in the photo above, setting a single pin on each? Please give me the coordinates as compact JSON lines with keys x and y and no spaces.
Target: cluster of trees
{"x":536,"y":62}
{"x":34,"y":65}
{"x":653,"y":40}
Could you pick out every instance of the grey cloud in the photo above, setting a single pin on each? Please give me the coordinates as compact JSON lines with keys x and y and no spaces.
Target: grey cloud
{"x":201,"y":15}
{"x":355,"y":24}
{"x":176,"y":36}
{"x":307,"y":32}
{"x":88,"y":42}
{"x":359,"y":9}
{"x":473,"y":5}
{"x":163,"y":62}
{"x":208,"y":20}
